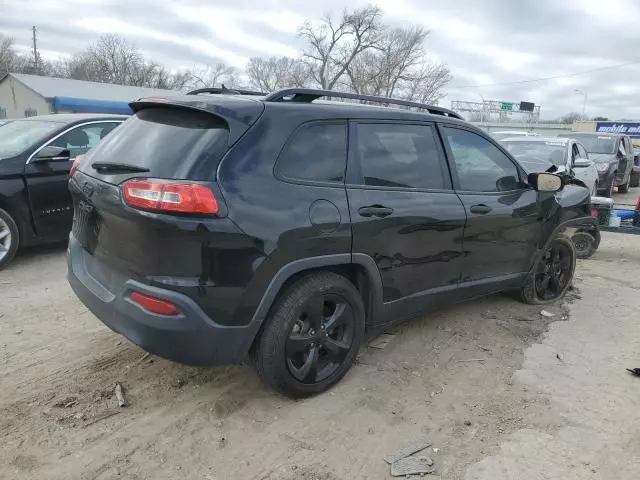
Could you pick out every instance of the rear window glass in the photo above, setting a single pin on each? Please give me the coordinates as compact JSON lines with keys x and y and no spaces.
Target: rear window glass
{"x":316,"y":152}
{"x":171,"y":142}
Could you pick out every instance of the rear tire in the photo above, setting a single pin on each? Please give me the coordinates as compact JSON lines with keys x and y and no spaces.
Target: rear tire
{"x":9,"y":238}
{"x":545,"y":274}
{"x":634,"y":180}
{"x":312,"y":335}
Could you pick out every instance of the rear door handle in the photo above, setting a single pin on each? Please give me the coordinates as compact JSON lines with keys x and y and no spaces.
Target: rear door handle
{"x":481,"y":209}
{"x":375,"y":210}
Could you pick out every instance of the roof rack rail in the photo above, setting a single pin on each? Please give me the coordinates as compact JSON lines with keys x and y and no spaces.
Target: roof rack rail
{"x":225,"y":91}
{"x":308,"y":95}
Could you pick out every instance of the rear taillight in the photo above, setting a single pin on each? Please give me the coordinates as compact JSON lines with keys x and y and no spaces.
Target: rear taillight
{"x":75,"y":165}
{"x":154,"y":305}
{"x":158,"y":195}
{"x":638,"y":204}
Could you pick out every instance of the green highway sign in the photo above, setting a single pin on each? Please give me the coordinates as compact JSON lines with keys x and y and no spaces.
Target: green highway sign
{"x":506,"y":106}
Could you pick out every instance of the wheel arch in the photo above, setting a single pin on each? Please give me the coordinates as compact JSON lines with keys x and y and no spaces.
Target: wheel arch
{"x":359,"y":269}
{"x":14,"y":212}
{"x":589,"y":224}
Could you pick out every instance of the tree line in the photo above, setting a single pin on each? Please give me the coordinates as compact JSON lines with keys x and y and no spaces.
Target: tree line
{"x":356,"y":51}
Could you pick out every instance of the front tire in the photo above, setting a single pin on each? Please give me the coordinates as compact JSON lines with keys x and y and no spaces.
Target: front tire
{"x":552,"y":275}
{"x":609,"y":192}
{"x":625,"y":188}
{"x":9,"y":238}
{"x":312,"y":335}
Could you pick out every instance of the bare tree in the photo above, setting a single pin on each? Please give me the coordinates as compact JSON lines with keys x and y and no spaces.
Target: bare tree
{"x":273,"y":73}
{"x":399,"y":68}
{"x":112,"y":59}
{"x":334,"y":44}
{"x":213,"y":76}
{"x":571,"y":117}
{"x":8,"y":55}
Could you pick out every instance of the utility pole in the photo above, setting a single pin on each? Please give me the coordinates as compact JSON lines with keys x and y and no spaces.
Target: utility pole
{"x":584,"y":103}
{"x":35,"y":52}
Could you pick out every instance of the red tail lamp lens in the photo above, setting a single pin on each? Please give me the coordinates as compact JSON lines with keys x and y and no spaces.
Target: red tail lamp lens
{"x":75,"y":165}
{"x":594,"y":212}
{"x":154,"y":305}
{"x":170,"y":197}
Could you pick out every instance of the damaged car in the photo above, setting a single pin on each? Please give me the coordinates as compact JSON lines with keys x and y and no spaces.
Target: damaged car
{"x":280,"y":229}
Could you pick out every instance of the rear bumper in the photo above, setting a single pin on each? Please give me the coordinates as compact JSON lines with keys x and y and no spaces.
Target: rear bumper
{"x":191,"y":337}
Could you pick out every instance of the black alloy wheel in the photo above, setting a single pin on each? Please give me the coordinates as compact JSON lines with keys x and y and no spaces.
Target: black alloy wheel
{"x":312,"y":335}
{"x":321,"y":338}
{"x":554,"y":272}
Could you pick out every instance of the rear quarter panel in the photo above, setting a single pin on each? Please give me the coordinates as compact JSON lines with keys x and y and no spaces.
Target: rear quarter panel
{"x":274,"y":213}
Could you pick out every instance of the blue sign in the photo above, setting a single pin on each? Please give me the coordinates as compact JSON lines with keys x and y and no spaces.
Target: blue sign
{"x":628,"y":128}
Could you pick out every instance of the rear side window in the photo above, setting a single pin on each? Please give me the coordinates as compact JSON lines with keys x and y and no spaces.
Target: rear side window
{"x":316,"y":152}
{"x":400,"y":155}
{"x":171,"y":142}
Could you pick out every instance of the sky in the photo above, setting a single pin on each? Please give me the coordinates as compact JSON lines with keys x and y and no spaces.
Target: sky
{"x":484,"y":42}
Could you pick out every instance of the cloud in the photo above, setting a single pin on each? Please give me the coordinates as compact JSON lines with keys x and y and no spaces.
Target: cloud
{"x":483,"y":42}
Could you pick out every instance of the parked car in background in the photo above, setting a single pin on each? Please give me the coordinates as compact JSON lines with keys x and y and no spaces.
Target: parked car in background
{"x":613,"y":156}
{"x":277,"y":229}
{"x":35,"y":159}
{"x":635,"y":173}
{"x":537,"y":154}
{"x":512,"y":133}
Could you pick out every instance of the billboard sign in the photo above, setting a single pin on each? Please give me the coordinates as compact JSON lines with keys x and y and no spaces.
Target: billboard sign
{"x":628,"y":128}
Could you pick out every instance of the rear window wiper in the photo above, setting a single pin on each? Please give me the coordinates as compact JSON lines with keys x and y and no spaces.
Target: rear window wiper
{"x":110,"y":167}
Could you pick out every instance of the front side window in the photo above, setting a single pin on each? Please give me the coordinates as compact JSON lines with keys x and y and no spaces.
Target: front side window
{"x":583,"y":152}
{"x":399,"y":155}
{"x":84,"y":137}
{"x":316,"y":152}
{"x":480,"y":165}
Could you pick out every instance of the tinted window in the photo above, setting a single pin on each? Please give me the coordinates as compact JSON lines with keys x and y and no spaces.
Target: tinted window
{"x":394,"y":155}
{"x":316,"y":152}
{"x":170,"y":142}
{"x":480,"y":165}
{"x":83,"y":138}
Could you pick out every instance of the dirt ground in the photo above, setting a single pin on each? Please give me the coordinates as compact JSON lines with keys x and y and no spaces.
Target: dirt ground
{"x":496,"y":395}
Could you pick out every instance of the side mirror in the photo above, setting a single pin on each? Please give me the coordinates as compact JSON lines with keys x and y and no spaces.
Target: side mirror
{"x":545,"y":182}
{"x":582,"y":162}
{"x":52,"y":154}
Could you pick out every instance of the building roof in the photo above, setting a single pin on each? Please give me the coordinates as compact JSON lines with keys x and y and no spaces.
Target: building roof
{"x":50,"y":87}
{"x":71,"y":117}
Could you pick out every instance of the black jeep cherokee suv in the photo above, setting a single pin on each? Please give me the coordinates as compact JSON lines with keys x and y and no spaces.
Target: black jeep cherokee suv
{"x":213,"y":228}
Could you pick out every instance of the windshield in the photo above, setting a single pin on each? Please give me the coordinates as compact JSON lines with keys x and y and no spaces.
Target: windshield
{"x":17,"y":136}
{"x":553,"y":152}
{"x":596,"y":143}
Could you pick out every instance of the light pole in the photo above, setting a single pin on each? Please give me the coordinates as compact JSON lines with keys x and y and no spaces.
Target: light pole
{"x":584,"y":104}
